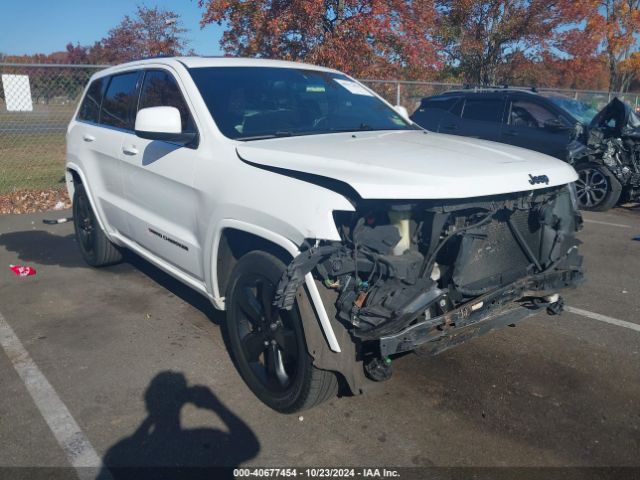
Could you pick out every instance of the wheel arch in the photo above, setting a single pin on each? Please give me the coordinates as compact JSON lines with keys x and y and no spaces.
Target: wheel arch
{"x":73,"y":175}
{"x":254,"y":237}
{"x":234,"y":243}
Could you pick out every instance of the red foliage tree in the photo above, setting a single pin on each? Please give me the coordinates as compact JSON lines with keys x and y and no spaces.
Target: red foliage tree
{"x":615,"y":25}
{"x":151,"y":32}
{"x":363,"y":37}
{"x":480,"y":36}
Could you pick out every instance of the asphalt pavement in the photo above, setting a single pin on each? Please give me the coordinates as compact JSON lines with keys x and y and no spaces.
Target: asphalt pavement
{"x":138,"y":363}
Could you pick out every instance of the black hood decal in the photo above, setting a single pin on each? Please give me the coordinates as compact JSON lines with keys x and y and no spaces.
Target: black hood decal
{"x":332,"y":184}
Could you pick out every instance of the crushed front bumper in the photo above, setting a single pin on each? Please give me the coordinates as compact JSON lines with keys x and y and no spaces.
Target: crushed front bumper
{"x":496,"y":309}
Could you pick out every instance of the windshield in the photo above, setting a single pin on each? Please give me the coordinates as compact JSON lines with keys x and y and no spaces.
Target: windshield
{"x":252,"y":103}
{"x":580,"y":111}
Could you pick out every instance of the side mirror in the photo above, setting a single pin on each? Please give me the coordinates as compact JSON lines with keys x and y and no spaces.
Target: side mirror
{"x":161,"y":123}
{"x":402,"y":111}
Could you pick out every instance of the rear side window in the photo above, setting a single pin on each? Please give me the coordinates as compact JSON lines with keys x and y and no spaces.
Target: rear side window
{"x":119,"y":103}
{"x":160,"y":89}
{"x":90,"y":107}
{"x":483,"y":109}
{"x":439,"y":103}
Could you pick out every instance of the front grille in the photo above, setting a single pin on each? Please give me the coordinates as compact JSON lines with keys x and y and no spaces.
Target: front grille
{"x":495,"y":259}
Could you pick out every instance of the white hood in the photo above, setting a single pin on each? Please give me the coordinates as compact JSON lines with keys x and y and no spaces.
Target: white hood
{"x":411,"y":164}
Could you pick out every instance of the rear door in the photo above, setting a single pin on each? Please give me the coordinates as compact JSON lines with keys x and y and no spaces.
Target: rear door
{"x":158,"y":181}
{"x":481,"y":116}
{"x":99,"y":132}
{"x":536,"y":124}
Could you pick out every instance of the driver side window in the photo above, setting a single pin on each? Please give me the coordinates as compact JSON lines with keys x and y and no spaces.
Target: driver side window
{"x":529,"y":114}
{"x":160,"y":89}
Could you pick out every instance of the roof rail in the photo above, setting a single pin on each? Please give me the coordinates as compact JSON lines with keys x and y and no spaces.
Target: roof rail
{"x":490,"y":88}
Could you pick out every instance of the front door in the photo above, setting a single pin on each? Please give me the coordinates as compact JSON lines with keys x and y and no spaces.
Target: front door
{"x":534,"y":125}
{"x":158,"y":182}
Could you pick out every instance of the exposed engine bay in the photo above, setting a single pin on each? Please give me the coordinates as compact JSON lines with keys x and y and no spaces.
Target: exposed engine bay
{"x":613,"y":140}
{"x":442,"y":263}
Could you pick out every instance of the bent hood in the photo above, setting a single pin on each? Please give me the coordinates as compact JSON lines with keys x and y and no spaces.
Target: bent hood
{"x":618,"y":118}
{"x":411,"y":164}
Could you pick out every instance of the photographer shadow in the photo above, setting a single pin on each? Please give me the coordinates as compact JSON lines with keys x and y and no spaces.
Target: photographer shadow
{"x":161,"y":449}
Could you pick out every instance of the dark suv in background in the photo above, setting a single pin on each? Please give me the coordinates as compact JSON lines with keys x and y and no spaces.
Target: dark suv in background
{"x":558,"y":126}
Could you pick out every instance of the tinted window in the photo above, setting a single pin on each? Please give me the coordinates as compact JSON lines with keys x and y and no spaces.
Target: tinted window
{"x":90,"y":108}
{"x":119,"y":101}
{"x":439,"y":103}
{"x":160,"y":89}
{"x":248,"y":103}
{"x":531,"y":114}
{"x":483,"y":109}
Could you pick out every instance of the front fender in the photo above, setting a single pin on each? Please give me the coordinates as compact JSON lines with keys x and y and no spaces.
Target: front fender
{"x":291,"y":248}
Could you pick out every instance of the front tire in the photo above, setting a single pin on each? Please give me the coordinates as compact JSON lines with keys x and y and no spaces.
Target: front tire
{"x":94,"y":245}
{"x":267,"y":344}
{"x":597,"y":189}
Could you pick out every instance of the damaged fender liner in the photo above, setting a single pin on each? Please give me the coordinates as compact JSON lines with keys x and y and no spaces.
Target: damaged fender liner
{"x":481,"y":315}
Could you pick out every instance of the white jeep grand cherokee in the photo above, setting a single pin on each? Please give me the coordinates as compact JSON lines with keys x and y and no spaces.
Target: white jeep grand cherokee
{"x":334,"y":232}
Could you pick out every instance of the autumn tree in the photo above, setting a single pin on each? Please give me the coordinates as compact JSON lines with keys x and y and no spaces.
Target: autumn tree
{"x":150,"y":32}
{"x":362,"y":37}
{"x":615,"y":26}
{"x":479,"y":35}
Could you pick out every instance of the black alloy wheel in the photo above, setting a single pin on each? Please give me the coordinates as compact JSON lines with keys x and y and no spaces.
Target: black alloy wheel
{"x":268,"y":344}
{"x":597,"y":189}
{"x":266,"y":335}
{"x":97,"y":250}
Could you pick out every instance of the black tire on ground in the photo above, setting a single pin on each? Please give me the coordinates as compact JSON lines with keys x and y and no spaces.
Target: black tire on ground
{"x":629,"y":195}
{"x":597,"y":188}
{"x":267,"y":344}
{"x":95,"y":247}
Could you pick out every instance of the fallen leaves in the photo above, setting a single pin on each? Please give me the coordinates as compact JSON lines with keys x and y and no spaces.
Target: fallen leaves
{"x":30,"y":201}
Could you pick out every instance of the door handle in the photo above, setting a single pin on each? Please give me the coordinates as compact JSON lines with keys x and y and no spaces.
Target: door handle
{"x":88,"y":138}
{"x":130,"y":150}
{"x":451,"y":126}
{"x":511,"y":133}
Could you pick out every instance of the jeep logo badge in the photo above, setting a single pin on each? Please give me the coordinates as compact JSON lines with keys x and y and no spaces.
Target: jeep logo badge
{"x":538,"y":179}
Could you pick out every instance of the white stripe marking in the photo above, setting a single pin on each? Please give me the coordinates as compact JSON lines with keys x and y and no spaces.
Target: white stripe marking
{"x":604,"y":318}
{"x":586,"y":220}
{"x":76,"y":446}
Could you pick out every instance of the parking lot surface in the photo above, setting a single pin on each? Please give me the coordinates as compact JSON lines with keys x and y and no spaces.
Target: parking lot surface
{"x":140,"y":365}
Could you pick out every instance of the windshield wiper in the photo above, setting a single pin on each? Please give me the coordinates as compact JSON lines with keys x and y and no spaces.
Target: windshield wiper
{"x":365,"y":127}
{"x":266,"y":136}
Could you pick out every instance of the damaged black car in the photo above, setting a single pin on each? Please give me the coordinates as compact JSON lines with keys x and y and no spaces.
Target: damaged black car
{"x":601,"y":145}
{"x":606,"y":155}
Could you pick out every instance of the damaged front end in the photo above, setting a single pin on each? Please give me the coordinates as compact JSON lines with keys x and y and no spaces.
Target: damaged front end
{"x":612,"y":140}
{"x":431,"y":274}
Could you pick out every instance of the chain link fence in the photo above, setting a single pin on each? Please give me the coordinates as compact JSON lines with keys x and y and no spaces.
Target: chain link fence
{"x":37,"y":102}
{"x":36,"y":105}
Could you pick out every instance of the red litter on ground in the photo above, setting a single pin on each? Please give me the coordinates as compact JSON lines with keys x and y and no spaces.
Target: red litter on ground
{"x":22,"y":271}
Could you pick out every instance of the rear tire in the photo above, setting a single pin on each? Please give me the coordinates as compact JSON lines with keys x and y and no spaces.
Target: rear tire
{"x":267,"y":344}
{"x":597,"y":188}
{"x":94,"y":245}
